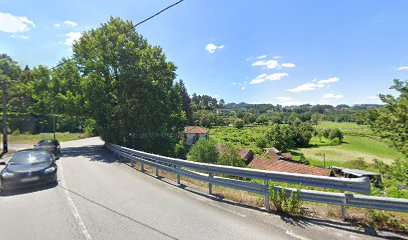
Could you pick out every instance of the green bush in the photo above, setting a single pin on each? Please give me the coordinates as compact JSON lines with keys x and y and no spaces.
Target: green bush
{"x":16,"y":132}
{"x":382,"y":219}
{"x":204,"y":150}
{"x":291,"y":205}
{"x":89,"y":127}
{"x":230,"y":157}
{"x":239,"y":123}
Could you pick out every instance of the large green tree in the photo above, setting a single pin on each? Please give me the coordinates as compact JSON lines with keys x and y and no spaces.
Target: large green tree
{"x":391,"y":120}
{"x":128,"y":88}
{"x":186,"y":101}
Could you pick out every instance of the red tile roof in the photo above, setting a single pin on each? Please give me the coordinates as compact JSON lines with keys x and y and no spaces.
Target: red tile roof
{"x":285,"y":166}
{"x":242,"y":152}
{"x":245,"y":153}
{"x":287,"y":155}
{"x":195,"y":129}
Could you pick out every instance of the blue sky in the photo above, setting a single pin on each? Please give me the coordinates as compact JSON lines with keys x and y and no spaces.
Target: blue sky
{"x":280,"y":52}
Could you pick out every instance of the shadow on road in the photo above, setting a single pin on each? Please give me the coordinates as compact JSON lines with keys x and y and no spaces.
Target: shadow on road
{"x":28,"y":190}
{"x":118,"y":213}
{"x":93,"y":153}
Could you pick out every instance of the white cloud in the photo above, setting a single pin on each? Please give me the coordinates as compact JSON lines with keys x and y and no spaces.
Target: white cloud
{"x":242,"y":88}
{"x":310,"y":86}
{"x":265,"y":77}
{"x":276,"y":57}
{"x":305,"y":87}
{"x":211,"y":48}
{"x":284,"y":99}
{"x":288,"y":65}
{"x":332,"y":95}
{"x":21,"y":37}
{"x":261,"y":57}
{"x":270,"y":64}
{"x":329,"y":80}
{"x":70,"y":23}
{"x":403,"y":68}
{"x":72,"y":37}
{"x":12,"y":24}
{"x":57,"y":25}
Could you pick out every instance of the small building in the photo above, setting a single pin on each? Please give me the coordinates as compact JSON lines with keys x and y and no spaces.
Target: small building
{"x":355,"y":173}
{"x":289,"y":167}
{"x":244,"y":153}
{"x":193,"y":133}
{"x":275,"y":154}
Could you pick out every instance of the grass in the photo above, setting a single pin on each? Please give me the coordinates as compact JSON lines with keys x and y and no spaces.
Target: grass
{"x":34,"y":138}
{"x":359,"y":142}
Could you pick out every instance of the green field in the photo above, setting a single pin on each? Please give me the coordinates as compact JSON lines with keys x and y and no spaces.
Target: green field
{"x":359,"y":142}
{"x":34,"y":138}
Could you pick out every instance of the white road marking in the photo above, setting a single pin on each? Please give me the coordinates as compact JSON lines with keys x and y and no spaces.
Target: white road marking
{"x":72,"y":206}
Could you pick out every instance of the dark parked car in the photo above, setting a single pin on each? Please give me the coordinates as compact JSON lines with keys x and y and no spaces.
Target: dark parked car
{"x":53,"y":146}
{"x":28,"y":168}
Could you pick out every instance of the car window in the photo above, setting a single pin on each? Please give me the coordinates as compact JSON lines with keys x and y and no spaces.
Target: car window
{"x":30,"y":157}
{"x":45,"y":142}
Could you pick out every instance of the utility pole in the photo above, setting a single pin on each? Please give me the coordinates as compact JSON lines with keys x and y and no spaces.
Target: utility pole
{"x":5,"y":142}
{"x":53,"y":125}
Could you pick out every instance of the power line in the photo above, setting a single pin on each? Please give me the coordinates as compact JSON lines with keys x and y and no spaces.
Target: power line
{"x":133,"y":27}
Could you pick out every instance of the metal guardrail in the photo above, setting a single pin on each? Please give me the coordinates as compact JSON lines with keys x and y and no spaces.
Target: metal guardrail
{"x":205,"y":172}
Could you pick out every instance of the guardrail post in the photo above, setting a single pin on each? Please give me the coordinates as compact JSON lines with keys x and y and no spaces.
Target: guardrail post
{"x":142,"y":167}
{"x":267,"y":206}
{"x":210,"y":175}
{"x":343,"y":209}
{"x":157,"y":172}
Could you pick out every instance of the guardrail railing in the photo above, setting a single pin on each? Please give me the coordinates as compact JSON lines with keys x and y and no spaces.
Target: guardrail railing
{"x":206,"y":173}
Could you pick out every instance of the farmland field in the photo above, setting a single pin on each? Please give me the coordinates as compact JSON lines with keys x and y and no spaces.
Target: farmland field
{"x":359,"y":142}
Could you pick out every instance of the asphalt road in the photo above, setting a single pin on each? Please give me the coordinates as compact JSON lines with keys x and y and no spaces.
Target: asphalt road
{"x":98,"y":197}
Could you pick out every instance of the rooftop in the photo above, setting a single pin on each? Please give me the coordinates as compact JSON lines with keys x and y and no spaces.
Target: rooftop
{"x":285,"y":166}
{"x":195,"y":130}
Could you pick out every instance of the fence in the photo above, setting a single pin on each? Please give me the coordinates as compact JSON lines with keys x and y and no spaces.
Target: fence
{"x":207,"y":173}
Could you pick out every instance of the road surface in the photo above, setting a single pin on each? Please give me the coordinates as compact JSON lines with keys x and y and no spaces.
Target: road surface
{"x":98,"y":197}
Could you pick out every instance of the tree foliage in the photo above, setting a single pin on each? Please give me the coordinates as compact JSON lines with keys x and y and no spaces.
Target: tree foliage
{"x":204,"y":150}
{"x":391,"y":120}
{"x":128,"y":88}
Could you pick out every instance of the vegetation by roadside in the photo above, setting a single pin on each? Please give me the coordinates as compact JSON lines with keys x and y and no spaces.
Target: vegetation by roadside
{"x":34,"y":138}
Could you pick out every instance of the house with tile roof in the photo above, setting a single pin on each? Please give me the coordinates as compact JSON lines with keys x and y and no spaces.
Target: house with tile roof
{"x":244,"y":153}
{"x":193,"y":133}
{"x":286,"y":166}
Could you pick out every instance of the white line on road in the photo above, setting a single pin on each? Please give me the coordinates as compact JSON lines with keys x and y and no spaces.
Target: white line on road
{"x":72,"y":206}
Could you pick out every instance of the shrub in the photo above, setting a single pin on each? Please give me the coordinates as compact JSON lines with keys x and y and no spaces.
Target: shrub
{"x":239,"y":123}
{"x":89,"y":127}
{"x":16,"y":132}
{"x":261,"y":142}
{"x":381,"y":219}
{"x":291,"y":205}
{"x":204,"y":150}
{"x":335,"y":133}
{"x":230,"y":157}
{"x":359,"y":163}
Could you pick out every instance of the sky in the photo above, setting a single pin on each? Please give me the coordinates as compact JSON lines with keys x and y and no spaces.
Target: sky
{"x":261,"y":51}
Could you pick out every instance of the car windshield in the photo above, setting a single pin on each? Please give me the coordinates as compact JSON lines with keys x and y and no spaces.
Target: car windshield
{"x":46,"y":142}
{"x":30,"y":157}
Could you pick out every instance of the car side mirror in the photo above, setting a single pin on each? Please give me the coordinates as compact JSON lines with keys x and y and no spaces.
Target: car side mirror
{"x":3,"y":163}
